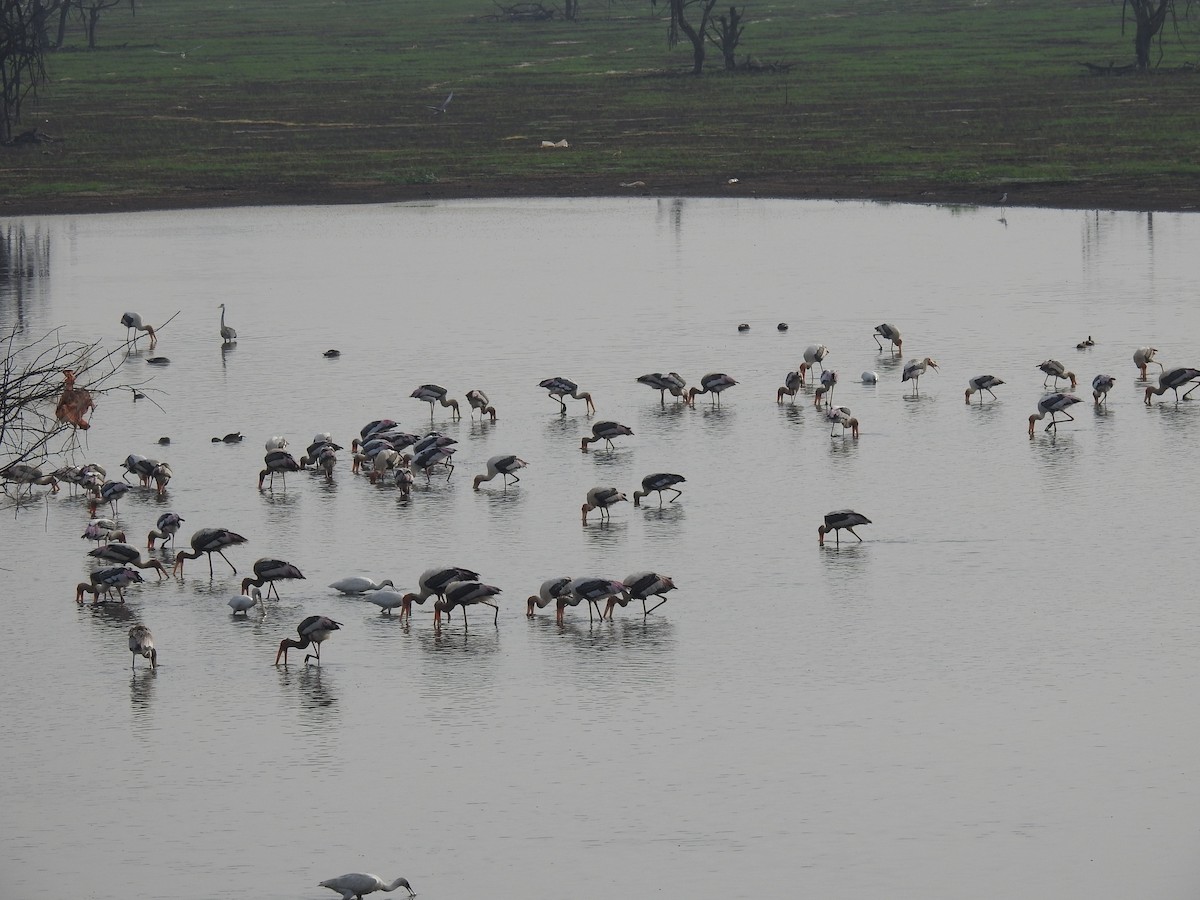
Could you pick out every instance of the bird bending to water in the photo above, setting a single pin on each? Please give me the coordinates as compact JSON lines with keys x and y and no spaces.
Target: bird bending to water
{"x":657,"y":483}
{"x":1056,"y":370}
{"x":105,"y":530}
{"x":1101,"y":385}
{"x":601,"y":498}
{"x":127,"y":556}
{"x":591,"y":590}
{"x":433,"y":582}
{"x":209,"y":541}
{"x":228,"y":335}
{"x":354,"y":885}
{"x":641,"y":586}
{"x":141,"y":643}
{"x":277,"y":461}
{"x":605,"y":431}
{"x":889,"y":333}
{"x":814,"y":355}
{"x":313,"y":630}
{"x":111,"y":493}
{"x":792,"y":382}
{"x":1144,"y":356}
{"x":840,"y":415}
{"x":359,"y":584}
{"x":479,"y":401}
{"x":26,"y":476}
{"x":464,"y":594}
{"x":268,"y":571}
{"x":836,"y":521}
{"x":914,"y":369}
{"x":133,"y":322}
{"x":435,"y":393}
{"x":506,"y":465}
{"x":1053,"y":404}
{"x":111,"y":578}
{"x":1173,"y":380}
{"x":824,"y":393}
{"x":671,"y":381}
{"x":551,"y":591}
{"x":982,"y":383}
{"x":240,"y":603}
{"x":560,"y":388}
{"x":712,"y":383}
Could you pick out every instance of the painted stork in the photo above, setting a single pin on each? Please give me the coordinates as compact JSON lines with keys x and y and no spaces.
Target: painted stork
{"x":671,"y":381}
{"x":1173,"y":380}
{"x":915,"y":368}
{"x":981,"y":383}
{"x":432,"y":583}
{"x":657,"y":483}
{"x":605,"y":431}
{"x":1053,"y":404}
{"x":712,"y":383}
{"x":479,"y":401}
{"x":268,"y":571}
{"x":889,"y":333}
{"x":641,"y":586}
{"x":209,"y":541}
{"x":133,"y":322}
{"x":836,"y":521}
{"x":1056,"y":370}
{"x":313,"y":630}
{"x":277,"y":461}
{"x":601,"y":498}
{"x":840,"y":415}
{"x":591,"y":591}
{"x":560,"y":388}
{"x":1101,"y":385}
{"x":792,"y":382}
{"x":1144,"y":356}
{"x":464,"y":594}
{"x":435,"y":393}
{"x":506,"y":465}
{"x":141,"y":643}
{"x":126,"y":555}
{"x":551,"y":591}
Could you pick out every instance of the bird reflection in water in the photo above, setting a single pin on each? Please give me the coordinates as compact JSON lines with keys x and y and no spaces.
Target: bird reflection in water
{"x":316,"y":687}
{"x":141,"y":690}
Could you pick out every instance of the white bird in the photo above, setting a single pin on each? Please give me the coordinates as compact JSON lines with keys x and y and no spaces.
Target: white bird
{"x":671,"y":381}
{"x":355,"y":884}
{"x":914,"y":369}
{"x":277,"y":461}
{"x":1173,"y":380}
{"x":276,"y":442}
{"x":591,"y":590}
{"x":464,"y":594}
{"x":712,"y":383}
{"x":141,"y":643}
{"x":435,"y":393}
{"x":209,"y":541}
{"x":133,"y":322}
{"x":359,"y":584}
{"x":982,"y":383}
{"x":836,"y":521}
{"x":386,"y":600}
{"x":889,"y":333}
{"x":605,"y":431}
{"x":441,"y":107}
{"x":869,"y":377}
{"x":641,"y":586}
{"x":1144,"y":356}
{"x":1053,"y":404}
{"x":506,"y":465}
{"x":268,"y":571}
{"x":479,"y":401}
{"x":792,"y":382}
{"x":563,"y":387}
{"x":313,"y":630}
{"x":228,"y":335}
{"x":240,"y":603}
{"x":840,"y":415}
{"x":657,"y":483}
{"x":551,"y":591}
{"x":601,"y":498}
{"x":1056,"y":370}
{"x":814,"y":355}
{"x":1101,"y":385}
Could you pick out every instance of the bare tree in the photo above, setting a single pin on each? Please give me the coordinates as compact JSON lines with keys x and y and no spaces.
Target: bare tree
{"x":92,"y":10}
{"x":694,"y":28}
{"x":1149,"y":17}
{"x":725,"y":33}
{"x":22,"y":58}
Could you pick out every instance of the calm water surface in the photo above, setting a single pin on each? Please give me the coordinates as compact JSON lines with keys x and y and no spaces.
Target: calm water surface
{"x":992,"y":696}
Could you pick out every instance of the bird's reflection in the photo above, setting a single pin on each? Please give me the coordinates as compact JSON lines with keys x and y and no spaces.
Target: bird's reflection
{"x":141,"y":690}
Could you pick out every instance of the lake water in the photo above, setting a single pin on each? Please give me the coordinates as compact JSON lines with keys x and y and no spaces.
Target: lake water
{"x":992,"y":696}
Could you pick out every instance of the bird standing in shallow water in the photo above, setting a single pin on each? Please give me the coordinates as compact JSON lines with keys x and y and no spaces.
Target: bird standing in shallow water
{"x":672,"y":381}
{"x":1101,"y":385}
{"x":313,"y":630}
{"x":551,"y":590}
{"x":836,"y":521}
{"x":563,"y":387}
{"x":1173,"y":380}
{"x":659,"y":482}
{"x":605,"y":431}
{"x":1053,"y":404}
{"x":133,"y":322}
{"x":126,"y":555}
{"x":601,"y":498}
{"x":435,"y":393}
{"x":982,"y":383}
{"x":1056,"y":370}
{"x":792,"y":382}
{"x":240,"y":603}
{"x":141,"y":643}
{"x":712,"y":383}
{"x":354,"y":885}
{"x":209,"y":541}
{"x":915,"y":368}
{"x":506,"y":465}
{"x":268,"y":571}
{"x":889,"y":333}
{"x":479,"y":401}
{"x":228,"y":335}
{"x":1144,"y":356}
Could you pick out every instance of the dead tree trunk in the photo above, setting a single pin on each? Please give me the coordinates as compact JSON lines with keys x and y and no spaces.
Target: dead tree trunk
{"x":726,"y":33}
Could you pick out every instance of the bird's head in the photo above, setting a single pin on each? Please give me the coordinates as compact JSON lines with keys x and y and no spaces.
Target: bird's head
{"x":931,"y":363}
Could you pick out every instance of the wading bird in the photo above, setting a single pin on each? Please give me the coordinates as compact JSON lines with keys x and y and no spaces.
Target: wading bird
{"x":1101,"y":385}
{"x":561,"y":388}
{"x":479,"y":401}
{"x":590,"y":590}
{"x":126,"y":555}
{"x":814,"y":355}
{"x":105,"y":530}
{"x":1053,"y":404}
{"x":386,"y":600}
{"x":824,"y":392}
{"x":605,"y":431}
{"x":551,"y":591}
{"x":354,"y":885}
{"x":359,"y":584}
{"x":313,"y":630}
{"x":268,"y":571}
{"x":435,"y":393}
{"x":277,"y":461}
{"x":657,"y":483}
{"x":792,"y":382}
{"x":141,"y":643}
{"x":836,"y":521}
{"x":982,"y":383}
{"x":506,"y":465}
{"x":1144,"y":356}
{"x":464,"y":594}
{"x":914,"y":369}
{"x":241,"y":603}
{"x":840,"y":415}
{"x":671,"y":381}
{"x":228,"y":335}
{"x":133,"y":323}
{"x":112,"y":578}
{"x":889,"y":333}
{"x":26,"y":476}
{"x":601,"y":498}
{"x":1056,"y":370}
{"x":712,"y":383}
{"x":641,"y":586}
{"x":1173,"y":380}
{"x":209,"y":541}
{"x":432,"y":583}
{"x":111,"y":493}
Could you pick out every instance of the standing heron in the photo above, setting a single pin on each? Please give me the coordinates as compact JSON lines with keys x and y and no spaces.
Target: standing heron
{"x":560,"y":388}
{"x":889,"y":333}
{"x":982,"y":383}
{"x":1101,"y":385}
{"x":914,"y":369}
{"x":712,"y":383}
{"x":354,"y":885}
{"x":506,"y":465}
{"x":1144,"y":356}
{"x":836,"y":521}
{"x":657,"y":483}
{"x":1056,"y":370}
{"x":671,"y":381}
{"x":435,"y":393}
{"x":1053,"y":404}
{"x":141,"y":643}
{"x":313,"y":630}
{"x":133,"y":323}
{"x":479,"y":401}
{"x":464,"y":594}
{"x":228,"y":334}
{"x":268,"y":571}
{"x":601,"y":498}
{"x":605,"y":431}
{"x":209,"y":541}
{"x":1173,"y":380}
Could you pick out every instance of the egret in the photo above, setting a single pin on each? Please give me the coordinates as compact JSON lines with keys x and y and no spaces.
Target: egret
{"x":355,"y":884}
{"x":240,"y":603}
{"x":359,"y":584}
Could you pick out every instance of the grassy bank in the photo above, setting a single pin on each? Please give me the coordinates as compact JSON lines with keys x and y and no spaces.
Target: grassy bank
{"x":315,"y":100}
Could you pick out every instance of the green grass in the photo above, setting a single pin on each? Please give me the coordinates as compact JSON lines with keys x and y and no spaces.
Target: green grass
{"x":326,"y":99}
